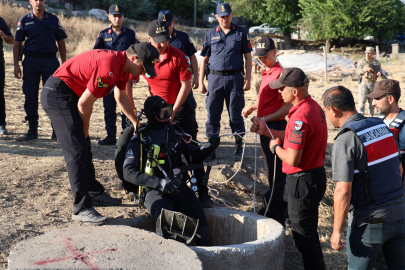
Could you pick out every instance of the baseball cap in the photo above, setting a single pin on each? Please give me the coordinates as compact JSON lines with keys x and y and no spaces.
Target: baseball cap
{"x":223,"y":9}
{"x":263,"y":46}
{"x":292,"y":77}
{"x":149,"y":56}
{"x":370,"y":50}
{"x":166,"y":16}
{"x":385,"y":87}
{"x":116,"y":9}
{"x":158,"y":31}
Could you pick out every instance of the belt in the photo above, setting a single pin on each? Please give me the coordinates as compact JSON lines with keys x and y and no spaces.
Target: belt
{"x":226,"y":72}
{"x":302,"y":173}
{"x":40,"y":55}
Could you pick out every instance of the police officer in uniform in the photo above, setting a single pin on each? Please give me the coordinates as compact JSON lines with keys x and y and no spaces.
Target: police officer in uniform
{"x":8,"y":38}
{"x":117,"y":38}
{"x":182,"y":41}
{"x":366,"y":169}
{"x":39,"y":29}
{"x":224,"y":47}
{"x":165,"y":192}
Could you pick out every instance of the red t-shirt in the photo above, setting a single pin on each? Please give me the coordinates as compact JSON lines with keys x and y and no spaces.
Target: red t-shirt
{"x":97,"y":70}
{"x":306,"y":130}
{"x":170,"y":71}
{"x":269,"y":100}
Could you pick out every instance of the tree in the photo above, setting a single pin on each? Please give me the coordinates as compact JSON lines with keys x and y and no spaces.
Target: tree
{"x":283,"y":14}
{"x":330,"y":20}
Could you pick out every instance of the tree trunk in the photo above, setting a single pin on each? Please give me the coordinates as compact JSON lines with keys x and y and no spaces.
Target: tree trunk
{"x":327,"y":45}
{"x":287,"y":40}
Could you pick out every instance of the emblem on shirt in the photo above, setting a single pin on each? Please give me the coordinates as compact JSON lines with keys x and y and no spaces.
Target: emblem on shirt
{"x":110,"y":74}
{"x":100,"y":83}
{"x":108,"y":39}
{"x":28,"y":23}
{"x":190,"y":70}
{"x":214,"y":38}
{"x":164,"y":18}
{"x":296,"y":137}
{"x":247,"y":36}
{"x":160,"y":30}
{"x":187,"y":59}
{"x":298,"y":124}
{"x":154,"y":61}
{"x":129,"y":154}
{"x":60,"y":25}
{"x":222,"y":8}
{"x":116,"y":8}
{"x":18,"y":26}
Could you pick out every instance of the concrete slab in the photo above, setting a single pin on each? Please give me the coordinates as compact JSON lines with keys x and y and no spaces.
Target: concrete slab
{"x":106,"y":247}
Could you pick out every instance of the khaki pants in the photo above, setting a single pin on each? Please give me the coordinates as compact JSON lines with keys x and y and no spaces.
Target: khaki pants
{"x":365,"y":88}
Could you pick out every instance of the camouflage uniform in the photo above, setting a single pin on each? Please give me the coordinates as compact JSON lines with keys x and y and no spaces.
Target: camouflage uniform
{"x":367,"y":82}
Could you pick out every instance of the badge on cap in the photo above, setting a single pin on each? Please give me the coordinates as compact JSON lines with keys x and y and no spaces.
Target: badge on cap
{"x":164,"y":18}
{"x":100,"y":83}
{"x":160,"y":30}
{"x":298,"y":124}
{"x":116,"y":8}
{"x":260,"y":45}
{"x":222,"y":8}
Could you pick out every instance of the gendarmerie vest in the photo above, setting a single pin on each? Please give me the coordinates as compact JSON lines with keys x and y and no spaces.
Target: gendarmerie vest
{"x":381,"y":181}
{"x":396,"y":126}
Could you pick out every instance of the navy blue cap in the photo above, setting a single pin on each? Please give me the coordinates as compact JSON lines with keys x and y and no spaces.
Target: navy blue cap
{"x":115,"y":9}
{"x":166,"y":16}
{"x":223,"y":9}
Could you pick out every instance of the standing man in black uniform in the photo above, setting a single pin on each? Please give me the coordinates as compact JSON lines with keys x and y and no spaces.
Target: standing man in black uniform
{"x":224,"y":47}
{"x":39,"y":29}
{"x":182,"y":41}
{"x":117,"y":38}
{"x":8,"y":38}
{"x":168,"y":191}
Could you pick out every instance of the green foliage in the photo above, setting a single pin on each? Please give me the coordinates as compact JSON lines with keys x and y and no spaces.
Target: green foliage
{"x":284,"y":14}
{"x":55,"y":5}
{"x":134,"y":9}
{"x":334,"y":19}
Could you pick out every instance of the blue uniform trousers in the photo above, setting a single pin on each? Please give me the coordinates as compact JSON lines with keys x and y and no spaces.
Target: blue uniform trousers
{"x":230,"y":89}
{"x":60,"y":104}
{"x":33,"y":69}
{"x":110,"y":116}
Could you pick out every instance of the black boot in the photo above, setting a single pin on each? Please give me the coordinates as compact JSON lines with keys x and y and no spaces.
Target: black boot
{"x":32,"y":131}
{"x":109,"y":140}
{"x":238,"y":149}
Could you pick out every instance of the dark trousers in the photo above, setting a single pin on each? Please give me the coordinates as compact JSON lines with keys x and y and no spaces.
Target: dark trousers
{"x":60,"y":104}
{"x":230,"y":89}
{"x":268,"y":156}
{"x":33,"y":70}
{"x":2,"y":100}
{"x":185,"y":202}
{"x":304,"y":191}
{"x":110,"y":116}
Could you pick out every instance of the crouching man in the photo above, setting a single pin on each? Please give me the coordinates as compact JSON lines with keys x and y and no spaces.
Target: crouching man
{"x":165,"y":186}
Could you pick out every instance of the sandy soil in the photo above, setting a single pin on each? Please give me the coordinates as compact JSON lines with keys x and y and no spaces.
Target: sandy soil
{"x":35,"y":193}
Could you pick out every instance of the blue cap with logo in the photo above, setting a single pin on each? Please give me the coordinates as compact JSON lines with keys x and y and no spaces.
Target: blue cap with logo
{"x":223,"y":9}
{"x":116,"y":9}
{"x":166,"y":16}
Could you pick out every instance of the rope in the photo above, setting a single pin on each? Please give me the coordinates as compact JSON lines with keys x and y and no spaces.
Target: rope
{"x":254,"y":183}
{"x":218,"y":200}
{"x":243,"y":153}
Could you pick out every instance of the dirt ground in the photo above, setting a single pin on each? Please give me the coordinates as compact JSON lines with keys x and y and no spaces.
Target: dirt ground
{"x":35,"y":193}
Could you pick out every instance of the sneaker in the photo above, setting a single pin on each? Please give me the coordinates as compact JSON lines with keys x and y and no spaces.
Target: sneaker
{"x":89,"y":215}
{"x":205,"y":200}
{"x":109,"y":140}
{"x":105,"y":200}
{"x":3,"y":130}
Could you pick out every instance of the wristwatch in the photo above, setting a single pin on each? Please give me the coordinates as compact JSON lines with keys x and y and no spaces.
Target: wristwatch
{"x":273,"y":149}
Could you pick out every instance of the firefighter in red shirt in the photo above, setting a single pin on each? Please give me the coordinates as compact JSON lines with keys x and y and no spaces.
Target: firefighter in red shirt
{"x":303,"y":152}
{"x":68,"y":97}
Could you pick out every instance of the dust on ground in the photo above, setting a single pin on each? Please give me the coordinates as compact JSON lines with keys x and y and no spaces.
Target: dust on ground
{"x":35,"y":192}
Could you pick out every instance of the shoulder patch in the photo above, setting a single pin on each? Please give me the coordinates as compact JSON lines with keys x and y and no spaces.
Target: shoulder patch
{"x":189,"y":69}
{"x":100,"y":83}
{"x":298,"y":124}
{"x":187,"y":59}
{"x":296,"y":137}
{"x":189,"y":39}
